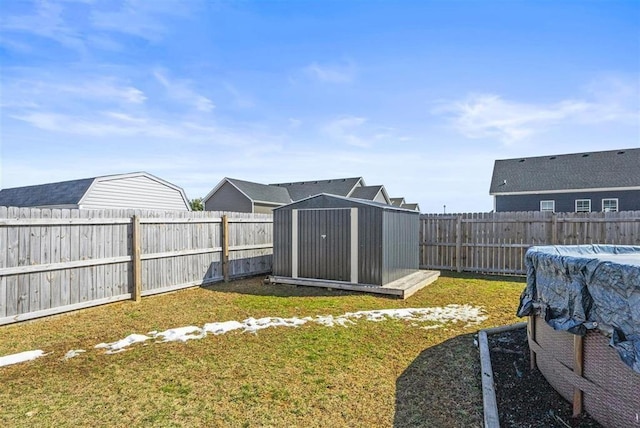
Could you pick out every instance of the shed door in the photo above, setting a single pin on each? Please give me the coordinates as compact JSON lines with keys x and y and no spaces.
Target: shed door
{"x":324,"y":238}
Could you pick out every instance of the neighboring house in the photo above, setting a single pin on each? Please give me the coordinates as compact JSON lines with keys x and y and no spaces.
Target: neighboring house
{"x":578,"y":182}
{"x":397,"y":202}
{"x":400,"y":203}
{"x":245,"y":196}
{"x":412,"y":207}
{"x":138,"y":190}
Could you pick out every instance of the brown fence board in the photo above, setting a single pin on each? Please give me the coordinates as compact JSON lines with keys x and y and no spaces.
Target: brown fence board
{"x":497,"y":242}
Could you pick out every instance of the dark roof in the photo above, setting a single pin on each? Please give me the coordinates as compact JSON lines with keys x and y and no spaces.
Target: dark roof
{"x":366,"y":192}
{"x":588,"y":170}
{"x":262,"y":192}
{"x":63,"y":193}
{"x":304,"y":189}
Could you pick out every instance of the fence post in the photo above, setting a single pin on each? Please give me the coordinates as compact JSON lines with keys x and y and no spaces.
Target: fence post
{"x":459,"y":244}
{"x":554,"y":229}
{"x":225,"y":248}
{"x":137,"y":262}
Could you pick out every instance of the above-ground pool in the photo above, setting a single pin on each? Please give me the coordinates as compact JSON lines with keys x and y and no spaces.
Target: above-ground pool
{"x":583,"y":304}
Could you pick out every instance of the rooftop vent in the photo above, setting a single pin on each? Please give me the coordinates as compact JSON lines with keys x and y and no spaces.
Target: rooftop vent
{"x":552,"y":157}
{"x":621,"y":153}
{"x":521,"y":160}
{"x":586,"y":155}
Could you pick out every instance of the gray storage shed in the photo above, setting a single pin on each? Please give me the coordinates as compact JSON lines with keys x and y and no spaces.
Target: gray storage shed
{"x":336,"y":239}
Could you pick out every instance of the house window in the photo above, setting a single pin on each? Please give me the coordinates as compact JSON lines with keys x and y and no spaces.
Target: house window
{"x":610,"y":205}
{"x":548,"y":206}
{"x":583,"y":205}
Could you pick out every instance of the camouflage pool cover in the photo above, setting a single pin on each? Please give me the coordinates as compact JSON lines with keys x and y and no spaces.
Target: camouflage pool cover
{"x":582,"y":287}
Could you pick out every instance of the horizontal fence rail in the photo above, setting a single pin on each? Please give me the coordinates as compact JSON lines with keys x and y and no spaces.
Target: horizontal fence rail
{"x":53,"y":261}
{"x":495,"y":243}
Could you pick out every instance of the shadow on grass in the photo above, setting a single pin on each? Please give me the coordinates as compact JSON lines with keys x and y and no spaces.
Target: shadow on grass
{"x":441,"y":387}
{"x":255,"y":286}
{"x":482,"y":276}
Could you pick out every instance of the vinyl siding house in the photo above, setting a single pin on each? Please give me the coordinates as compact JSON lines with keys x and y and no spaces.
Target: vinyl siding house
{"x":138,"y":190}
{"x":577,"y":182}
{"x":401,"y":203}
{"x":244,"y":196}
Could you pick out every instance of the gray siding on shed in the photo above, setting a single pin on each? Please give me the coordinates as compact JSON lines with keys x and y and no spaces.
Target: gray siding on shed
{"x":370,"y":245}
{"x":400,"y":241}
{"x":228,"y":198}
{"x":387,"y":240}
{"x":282,"y":241}
{"x":324,"y":244}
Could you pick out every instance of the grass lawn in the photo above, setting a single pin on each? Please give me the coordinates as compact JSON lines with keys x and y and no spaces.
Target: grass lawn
{"x":390,"y":373}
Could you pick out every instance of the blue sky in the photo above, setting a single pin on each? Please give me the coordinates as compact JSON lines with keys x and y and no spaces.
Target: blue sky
{"x":421,"y":96}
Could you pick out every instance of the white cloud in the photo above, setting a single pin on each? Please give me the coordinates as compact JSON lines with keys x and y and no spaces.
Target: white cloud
{"x":180,"y":90}
{"x":47,"y":22}
{"x":109,"y":125}
{"x":492,"y":116}
{"x":346,"y":129}
{"x":294,"y":123}
{"x":140,"y":18}
{"x":334,"y":73}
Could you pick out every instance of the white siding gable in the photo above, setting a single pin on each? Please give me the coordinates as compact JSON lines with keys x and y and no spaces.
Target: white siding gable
{"x":140,"y":191}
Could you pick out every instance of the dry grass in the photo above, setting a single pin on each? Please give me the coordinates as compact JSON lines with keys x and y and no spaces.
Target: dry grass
{"x":369,"y":374}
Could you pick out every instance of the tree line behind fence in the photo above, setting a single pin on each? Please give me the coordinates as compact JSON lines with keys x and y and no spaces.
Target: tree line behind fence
{"x":53,"y":261}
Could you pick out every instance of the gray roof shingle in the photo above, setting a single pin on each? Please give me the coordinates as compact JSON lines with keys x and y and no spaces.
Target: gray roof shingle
{"x":262,"y":192}
{"x":366,"y":192}
{"x":62,"y":193}
{"x":588,"y":170}
{"x":304,"y":189}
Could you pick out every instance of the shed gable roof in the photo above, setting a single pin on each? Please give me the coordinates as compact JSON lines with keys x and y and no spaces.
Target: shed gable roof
{"x":575,"y":171}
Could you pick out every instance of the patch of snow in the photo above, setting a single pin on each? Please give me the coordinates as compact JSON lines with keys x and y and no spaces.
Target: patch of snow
{"x":20,"y":357}
{"x":252,"y":325}
{"x":222,"y":327}
{"x":120,"y":345}
{"x":449,"y":314}
{"x":73,"y":353}
{"x":181,"y":334}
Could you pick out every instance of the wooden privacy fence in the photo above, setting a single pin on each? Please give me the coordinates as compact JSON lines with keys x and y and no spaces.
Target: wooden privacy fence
{"x":495,"y":243}
{"x":54,"y":261}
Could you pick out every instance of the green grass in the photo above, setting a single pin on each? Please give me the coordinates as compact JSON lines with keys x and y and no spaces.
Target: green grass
{"x":389,"y":373}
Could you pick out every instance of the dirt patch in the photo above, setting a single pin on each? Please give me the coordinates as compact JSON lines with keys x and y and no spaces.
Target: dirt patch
{"x":525,"y":399}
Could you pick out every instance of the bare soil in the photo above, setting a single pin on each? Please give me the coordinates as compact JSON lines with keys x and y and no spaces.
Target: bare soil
{"x":525,"y":399}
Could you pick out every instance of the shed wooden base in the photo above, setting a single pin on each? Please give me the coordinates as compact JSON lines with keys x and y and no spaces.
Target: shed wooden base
{"x":403,"y":287}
